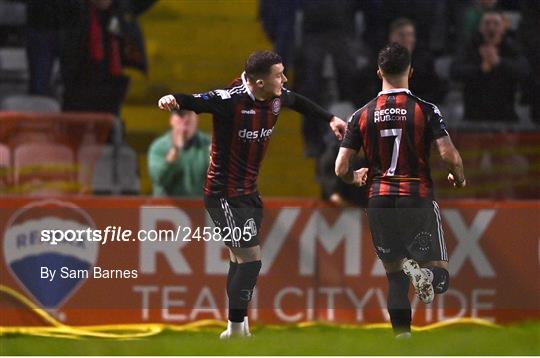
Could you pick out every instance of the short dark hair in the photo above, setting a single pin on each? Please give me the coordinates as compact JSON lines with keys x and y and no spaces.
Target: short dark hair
{"x":399,"y":23}
{"x":492,"y":11}
{"x":180,"y":112}
{"x":259,"y":63}
{"x":394,"y":59}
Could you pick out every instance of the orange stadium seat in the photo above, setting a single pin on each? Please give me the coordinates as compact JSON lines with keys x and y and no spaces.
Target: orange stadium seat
{"x":5,"y":168}
{"x":96,"y":169}
{"x":45,"y":168}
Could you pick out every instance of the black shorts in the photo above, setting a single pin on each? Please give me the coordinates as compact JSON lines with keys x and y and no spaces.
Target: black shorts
{"x":238,"y":218}
{"x":406,"y":226}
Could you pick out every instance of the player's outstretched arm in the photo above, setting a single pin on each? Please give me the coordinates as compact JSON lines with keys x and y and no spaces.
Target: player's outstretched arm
{"x":216,"y":102}
{"x":356,"y":177}
{"x":451,"y":157}
{"x":310,"y":109}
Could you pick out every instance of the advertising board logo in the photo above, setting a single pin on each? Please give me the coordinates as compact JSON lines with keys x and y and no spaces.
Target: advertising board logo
{"x":26,"y":255}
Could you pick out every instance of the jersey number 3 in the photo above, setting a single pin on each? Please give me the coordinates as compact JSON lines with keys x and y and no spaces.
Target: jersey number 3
{"x":394,"y":132}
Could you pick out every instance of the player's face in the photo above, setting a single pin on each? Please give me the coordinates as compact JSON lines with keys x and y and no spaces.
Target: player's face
{"x":275,"y":80}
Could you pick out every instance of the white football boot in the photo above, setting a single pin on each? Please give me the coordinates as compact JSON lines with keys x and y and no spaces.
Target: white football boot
{"x":420,"y":280}
{"x":403,"y":336}
{"x":236,"y":330}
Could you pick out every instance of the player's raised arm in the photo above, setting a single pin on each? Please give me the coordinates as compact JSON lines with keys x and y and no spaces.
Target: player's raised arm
{"x":216,"y":102}
{"x":451,"y":157}
{"x":310,"y":109}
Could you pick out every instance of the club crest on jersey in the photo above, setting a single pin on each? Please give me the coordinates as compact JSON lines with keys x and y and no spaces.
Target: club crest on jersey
{"x":26,"y":254}
{"x":276,"y":106}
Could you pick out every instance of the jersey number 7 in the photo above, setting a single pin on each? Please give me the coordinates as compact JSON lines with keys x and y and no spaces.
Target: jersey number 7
{"x":394,"y":132}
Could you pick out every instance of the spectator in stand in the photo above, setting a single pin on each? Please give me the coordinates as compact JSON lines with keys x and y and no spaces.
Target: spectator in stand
{"x":44,"y":23}
{"x":278,"y":18}
{"x":178,"y":160}
{"x":529,"y":35}
{"x":491,"y":67}
{"x":472,"y":16}
{"x":425,"y":83}
{"x":101,"y":38}
{"x":326,"y":29}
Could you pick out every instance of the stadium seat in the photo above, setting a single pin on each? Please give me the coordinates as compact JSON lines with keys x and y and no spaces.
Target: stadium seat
{"x":128,"y":172}
{"x":106,"y":171}
{"x":442,"y":66}
{"x":12,"y":13}
{"x":44,"y":168}
{"x":95,"y":169}
{"x":5,"y":168}
{"x":513,"y":18}
{"x":13,"y":59}
{"x":29,"y":103}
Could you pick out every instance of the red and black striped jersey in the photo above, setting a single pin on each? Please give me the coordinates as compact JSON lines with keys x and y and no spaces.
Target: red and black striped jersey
{"x":242,"y":127}
{"x":396,"y":130}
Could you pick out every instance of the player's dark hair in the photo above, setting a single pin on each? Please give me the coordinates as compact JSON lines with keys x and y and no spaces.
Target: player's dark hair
{"x":259,"y":63}
{"x":399,"y":23}
{"x":394,"y":59}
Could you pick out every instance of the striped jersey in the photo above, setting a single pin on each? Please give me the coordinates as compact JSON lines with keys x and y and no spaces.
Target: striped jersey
{"x":396,"y":130}
{"x":242,"y":127}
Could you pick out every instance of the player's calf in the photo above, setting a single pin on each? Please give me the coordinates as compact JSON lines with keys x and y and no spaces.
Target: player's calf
{"x":399,"y":307}
{"x":239,"y":291}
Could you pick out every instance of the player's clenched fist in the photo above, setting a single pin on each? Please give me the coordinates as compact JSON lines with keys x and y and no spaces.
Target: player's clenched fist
{"x":338,"y":126}
{"x":168,"y":103}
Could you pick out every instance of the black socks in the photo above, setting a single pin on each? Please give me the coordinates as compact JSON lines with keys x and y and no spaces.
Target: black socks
{"x":232,"y":271}
{"x":441,"y":279}
{"x":240,"y":285}
{"x":399,"y":306}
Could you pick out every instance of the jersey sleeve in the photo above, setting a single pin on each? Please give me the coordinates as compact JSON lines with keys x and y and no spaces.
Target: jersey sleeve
{"x":436,"y":124}
{"x":305,"y":106}
{"x":353,"y":137}
{"x":218,"y":102}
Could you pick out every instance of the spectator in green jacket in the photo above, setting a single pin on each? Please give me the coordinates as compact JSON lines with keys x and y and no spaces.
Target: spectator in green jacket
{"x":178,"y":160}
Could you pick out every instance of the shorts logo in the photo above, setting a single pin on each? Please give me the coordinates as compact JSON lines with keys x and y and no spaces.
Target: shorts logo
{"x":422,"y":243}
{"x":276,"y":106}
{"x":250,"y":227}
{"x":26,"y":254}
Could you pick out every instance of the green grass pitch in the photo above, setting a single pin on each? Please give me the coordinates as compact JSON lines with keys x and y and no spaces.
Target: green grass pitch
{"x":521,"y":339}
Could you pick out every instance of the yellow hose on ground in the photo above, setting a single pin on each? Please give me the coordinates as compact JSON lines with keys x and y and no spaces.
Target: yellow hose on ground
{"x":57,"y":329}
